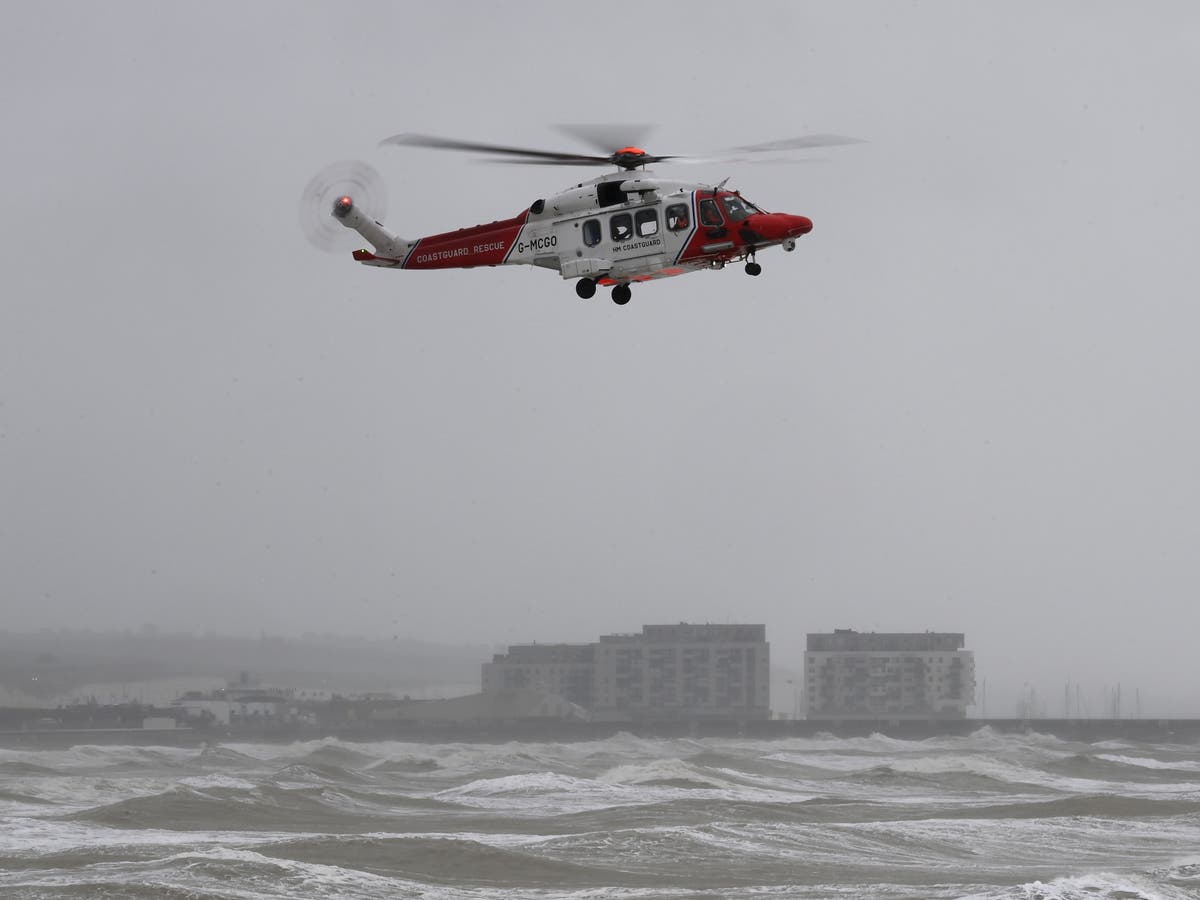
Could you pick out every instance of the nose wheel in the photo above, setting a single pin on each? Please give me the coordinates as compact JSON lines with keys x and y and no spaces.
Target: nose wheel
{"x":621,"y":294}
{"x":753,"y":268}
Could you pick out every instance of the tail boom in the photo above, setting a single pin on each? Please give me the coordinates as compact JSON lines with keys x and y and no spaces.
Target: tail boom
{"x":481,"y":245}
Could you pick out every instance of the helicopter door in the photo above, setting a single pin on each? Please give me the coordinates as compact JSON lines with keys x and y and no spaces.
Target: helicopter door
{"x":583,"y":248}
{"x":677,"y":227}
{"x":711,"y":219}
{"x":636,"y":240}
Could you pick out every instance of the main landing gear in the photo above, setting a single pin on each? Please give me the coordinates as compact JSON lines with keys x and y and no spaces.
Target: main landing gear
{"x":586,"y":289}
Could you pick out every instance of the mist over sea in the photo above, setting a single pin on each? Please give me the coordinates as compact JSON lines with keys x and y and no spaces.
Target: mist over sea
{"x":983,"y":816}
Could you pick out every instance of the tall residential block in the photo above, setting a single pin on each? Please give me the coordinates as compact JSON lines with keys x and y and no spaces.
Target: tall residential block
{"x":684,"y":671}
{"x":849,"y":674}
{"x":679,"y":671}
{"x":564,"y":669}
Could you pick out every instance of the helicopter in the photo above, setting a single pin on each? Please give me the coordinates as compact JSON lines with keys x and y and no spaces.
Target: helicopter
{"x":628,"y":226}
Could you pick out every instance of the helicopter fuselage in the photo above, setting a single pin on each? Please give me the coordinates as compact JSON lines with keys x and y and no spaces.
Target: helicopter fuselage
{"x":621,"y":228}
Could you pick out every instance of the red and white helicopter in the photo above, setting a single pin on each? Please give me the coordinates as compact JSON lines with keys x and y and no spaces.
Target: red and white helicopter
{"x":625,"y":227}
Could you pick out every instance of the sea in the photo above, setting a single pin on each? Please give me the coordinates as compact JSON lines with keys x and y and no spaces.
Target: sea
{"x":988,"y":815}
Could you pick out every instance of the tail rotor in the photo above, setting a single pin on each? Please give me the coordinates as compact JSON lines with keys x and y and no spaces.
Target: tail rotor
{"x":342,"y":185}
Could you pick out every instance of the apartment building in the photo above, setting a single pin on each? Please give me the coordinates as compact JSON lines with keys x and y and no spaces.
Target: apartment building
{"x":849,"y":674}
{"x":563,"y":669}
{"x":682,"y":671}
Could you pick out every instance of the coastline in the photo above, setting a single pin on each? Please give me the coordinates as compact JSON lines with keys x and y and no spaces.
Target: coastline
{"x":1083,"y":730}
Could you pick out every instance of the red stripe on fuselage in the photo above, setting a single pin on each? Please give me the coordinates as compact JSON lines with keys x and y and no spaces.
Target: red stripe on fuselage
{"x":482,"y":245}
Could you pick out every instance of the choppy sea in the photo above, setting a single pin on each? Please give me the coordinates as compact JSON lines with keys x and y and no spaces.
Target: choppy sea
{"x":986,"y":816}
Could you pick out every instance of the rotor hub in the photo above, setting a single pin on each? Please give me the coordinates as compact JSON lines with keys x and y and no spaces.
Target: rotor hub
{"x":630,"y":158}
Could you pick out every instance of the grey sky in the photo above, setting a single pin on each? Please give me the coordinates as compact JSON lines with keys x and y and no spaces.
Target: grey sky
{"x":967,"y":402}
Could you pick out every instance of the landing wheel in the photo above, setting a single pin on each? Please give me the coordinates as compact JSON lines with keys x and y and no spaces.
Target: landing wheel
{"x":585,"y":288}
{"x":753,"y":268}
{"x":621,"y":294}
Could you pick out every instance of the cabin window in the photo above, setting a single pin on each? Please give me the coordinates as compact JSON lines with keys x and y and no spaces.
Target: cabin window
{"x":621,"y":227}
{"x":591,"y":232}
{"x":647,"y":222}
{"x":709,"y":214}
{"x":677,"y":217}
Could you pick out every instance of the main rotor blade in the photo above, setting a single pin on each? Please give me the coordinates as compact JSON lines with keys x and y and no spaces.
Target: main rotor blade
{"x":607,"y":138}
{"x":516,"y":161}
{"x":580,"y":161}
{"x":437,"y":143}
{"x":748,"y":160}
{"x":798,"y":143}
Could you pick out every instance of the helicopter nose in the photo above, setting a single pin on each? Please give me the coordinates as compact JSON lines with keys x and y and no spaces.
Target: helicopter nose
{"x":781,"y":226}
{"x":799,"y":225}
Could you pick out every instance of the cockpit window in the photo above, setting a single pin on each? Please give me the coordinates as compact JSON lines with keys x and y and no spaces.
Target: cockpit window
{"x":709,"y":214}
{"x":737,"y":208}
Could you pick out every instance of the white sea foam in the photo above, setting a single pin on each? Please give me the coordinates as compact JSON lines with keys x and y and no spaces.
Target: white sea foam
{"x":216,"y":780}
{"x":30,"y":837}
{"x":203,"y":870}
{"x":78,"y":793}
{"x":662,"y":770}
{"x":537,"y":792}
{"x":1091,"y":886}
{"x":1146,"y":762}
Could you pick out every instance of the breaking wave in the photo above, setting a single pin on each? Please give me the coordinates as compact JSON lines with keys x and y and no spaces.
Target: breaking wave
{"x":989,"y":816}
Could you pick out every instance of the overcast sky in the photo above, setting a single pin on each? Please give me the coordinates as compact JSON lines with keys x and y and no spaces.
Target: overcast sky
{"x":967,"y":402}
